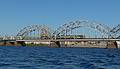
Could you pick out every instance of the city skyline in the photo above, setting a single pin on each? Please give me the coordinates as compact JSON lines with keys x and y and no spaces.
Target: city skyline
{"x":15,"y":15}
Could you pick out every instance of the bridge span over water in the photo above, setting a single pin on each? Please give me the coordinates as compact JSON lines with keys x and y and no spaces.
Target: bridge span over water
{"x":73,"y":40}
{"x":81,"y":31}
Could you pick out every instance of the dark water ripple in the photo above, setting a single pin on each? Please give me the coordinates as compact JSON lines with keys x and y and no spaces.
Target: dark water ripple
{"x":58,"y":58}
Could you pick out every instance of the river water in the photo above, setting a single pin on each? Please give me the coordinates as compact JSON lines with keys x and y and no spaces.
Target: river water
{"x":12,"y":57}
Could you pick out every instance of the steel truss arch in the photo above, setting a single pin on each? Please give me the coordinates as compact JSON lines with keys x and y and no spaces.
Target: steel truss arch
{"x":28,"y":29}
{"x":82,"y":23}
{"x":116,"y":31}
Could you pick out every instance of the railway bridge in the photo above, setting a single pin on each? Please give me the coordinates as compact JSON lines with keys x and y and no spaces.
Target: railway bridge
{"x":81,"y":33}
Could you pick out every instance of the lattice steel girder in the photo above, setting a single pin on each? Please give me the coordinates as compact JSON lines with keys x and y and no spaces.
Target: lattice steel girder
{"x":82,"y":23}
{"x":28,"y":29}
{"x":116,"y":31}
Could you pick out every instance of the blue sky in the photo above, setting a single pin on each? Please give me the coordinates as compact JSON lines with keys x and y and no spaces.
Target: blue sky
{"x":16,"y":14}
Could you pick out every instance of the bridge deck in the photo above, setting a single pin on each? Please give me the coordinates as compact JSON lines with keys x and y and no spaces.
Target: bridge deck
{"x":87,"y":39}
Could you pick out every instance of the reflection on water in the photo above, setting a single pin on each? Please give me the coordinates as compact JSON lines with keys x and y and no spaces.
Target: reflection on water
{"x":58,"y":58}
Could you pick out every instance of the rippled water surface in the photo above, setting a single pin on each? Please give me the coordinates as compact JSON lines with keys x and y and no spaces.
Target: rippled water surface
{"x":58,"y":58}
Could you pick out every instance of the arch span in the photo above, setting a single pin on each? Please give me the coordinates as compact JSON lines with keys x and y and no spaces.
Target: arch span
{"x":42,"y":31}
{"x":82,"y":23}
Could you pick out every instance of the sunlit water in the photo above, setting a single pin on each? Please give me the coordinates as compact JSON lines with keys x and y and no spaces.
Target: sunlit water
{"x":58,"y":58}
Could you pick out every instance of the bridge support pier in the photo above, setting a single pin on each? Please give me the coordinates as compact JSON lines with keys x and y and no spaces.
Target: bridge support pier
{"x":112,"y":44}
{"x":7,"y":43}
{"x":54,"y":44}
{"x":12,"y":43}
{"x":21,"y":43}
{"x":57,"y":44}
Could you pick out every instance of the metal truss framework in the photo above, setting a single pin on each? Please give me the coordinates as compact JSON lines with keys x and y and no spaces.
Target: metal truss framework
{"x":41,"y":28}
{"x":66,"y":28}
{"x":116,"y":31}
{"x":82,"y":23}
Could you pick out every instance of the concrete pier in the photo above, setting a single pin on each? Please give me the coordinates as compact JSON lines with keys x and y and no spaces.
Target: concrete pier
{"x":112,"y":44}
{"x":12,"y":43}
{"x":98,"y":43}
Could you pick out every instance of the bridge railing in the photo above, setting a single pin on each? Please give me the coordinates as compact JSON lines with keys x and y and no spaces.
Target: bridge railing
{"x":10,"y":37}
